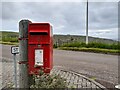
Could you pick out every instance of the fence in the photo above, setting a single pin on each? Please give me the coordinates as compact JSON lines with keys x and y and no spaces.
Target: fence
{"x":7,"y":72}
{"x":74,"y":79}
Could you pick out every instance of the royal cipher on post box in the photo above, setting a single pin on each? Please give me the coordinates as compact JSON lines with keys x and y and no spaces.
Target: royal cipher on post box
{"x":40,"y":47}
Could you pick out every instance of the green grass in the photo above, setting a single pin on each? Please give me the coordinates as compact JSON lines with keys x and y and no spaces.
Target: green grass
{"x":95,"y":50}
{"x":96,"y":45}
{"x":114,"y":46}
{"x":9,"y":37}
{"x":9,"y":43}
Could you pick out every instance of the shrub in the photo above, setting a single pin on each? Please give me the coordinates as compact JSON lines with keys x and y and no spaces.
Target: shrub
{"x":95,"y":50}
{"x":114,"y":46}
{"x":48,"y":81}
{"x":7,"y":39}
{"x":55,"y":46}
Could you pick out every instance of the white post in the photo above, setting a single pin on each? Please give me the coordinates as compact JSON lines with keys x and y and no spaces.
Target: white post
{"x":87,"y":23}
{"x":15,"y":70}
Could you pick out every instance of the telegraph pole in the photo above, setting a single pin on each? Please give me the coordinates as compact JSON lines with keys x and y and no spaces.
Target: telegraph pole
{"x":23,"y":52}
{"x":87,"y":22}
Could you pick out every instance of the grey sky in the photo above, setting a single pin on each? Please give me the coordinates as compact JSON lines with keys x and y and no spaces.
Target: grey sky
{"x":66,"y":17}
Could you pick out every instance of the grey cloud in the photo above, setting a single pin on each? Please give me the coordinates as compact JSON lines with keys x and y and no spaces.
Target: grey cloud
{"x":104,"y":16}
{"x":0,"y":10}
{"x":66,"y":14}
{"x":9,"y":11}
{"x":67,"y":18}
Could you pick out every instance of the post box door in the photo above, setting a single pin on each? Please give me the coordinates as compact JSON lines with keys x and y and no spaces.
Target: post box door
{"x":39,"y":47}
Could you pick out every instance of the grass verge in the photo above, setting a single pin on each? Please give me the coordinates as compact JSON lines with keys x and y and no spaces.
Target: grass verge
{"x":9,"y":43}
{"x":95,"y":50}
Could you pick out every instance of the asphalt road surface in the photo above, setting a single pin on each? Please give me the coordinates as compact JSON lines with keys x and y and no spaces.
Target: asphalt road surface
{"x":97,"y":66}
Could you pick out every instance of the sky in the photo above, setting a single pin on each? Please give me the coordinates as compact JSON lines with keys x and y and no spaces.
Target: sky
{"x":66,"y":17}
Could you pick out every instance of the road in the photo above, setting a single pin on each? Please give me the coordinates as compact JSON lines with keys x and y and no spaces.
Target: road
{"x":99,"y":66}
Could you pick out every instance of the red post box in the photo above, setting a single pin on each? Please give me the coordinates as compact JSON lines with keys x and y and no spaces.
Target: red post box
{"x":40,"y":47}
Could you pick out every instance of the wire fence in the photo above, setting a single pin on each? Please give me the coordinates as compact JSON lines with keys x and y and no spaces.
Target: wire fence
{"x":8,"y":72}
{"x":74,"y":79}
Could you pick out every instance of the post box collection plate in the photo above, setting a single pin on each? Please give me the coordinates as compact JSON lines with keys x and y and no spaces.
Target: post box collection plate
{"x":38,"y":57}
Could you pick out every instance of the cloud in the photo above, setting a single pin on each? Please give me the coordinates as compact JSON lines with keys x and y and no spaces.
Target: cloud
{"x":105,"y":33}
{"x":0,"y":16}
{"x":60,"y":0}
{"x":104,"y":16}
{"x":66,"y":17}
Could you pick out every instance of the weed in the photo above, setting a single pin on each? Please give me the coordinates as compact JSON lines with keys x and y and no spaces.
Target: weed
{"x":48,"y":81}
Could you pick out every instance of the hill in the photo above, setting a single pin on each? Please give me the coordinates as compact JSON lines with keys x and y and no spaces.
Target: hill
{"x":58,"y":39}
{"x":9,"y":36}
{"x":75,"y":38}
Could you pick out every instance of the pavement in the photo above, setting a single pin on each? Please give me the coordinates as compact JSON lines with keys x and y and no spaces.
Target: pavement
{"x":76,"y":80}
{"x":73,"y":79}
{"x":98,"y":66}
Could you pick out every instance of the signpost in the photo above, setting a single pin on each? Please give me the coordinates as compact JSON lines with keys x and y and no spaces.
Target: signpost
{"x":117,"y":86}
{"x":14,"y":51}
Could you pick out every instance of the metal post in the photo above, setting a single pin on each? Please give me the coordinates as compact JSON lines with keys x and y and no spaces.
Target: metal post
{"x":15,"y":70}
{"x":119,"y":43}
{"x":23,"y":47}
{"x":87,"y":23}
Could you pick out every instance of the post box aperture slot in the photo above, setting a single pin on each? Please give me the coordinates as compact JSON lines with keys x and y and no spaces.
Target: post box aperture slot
{"x":38,"y":57}
{"x":38,"y":32}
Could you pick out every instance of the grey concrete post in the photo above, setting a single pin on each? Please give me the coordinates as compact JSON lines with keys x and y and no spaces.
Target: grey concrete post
{"x":23,"y":47}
